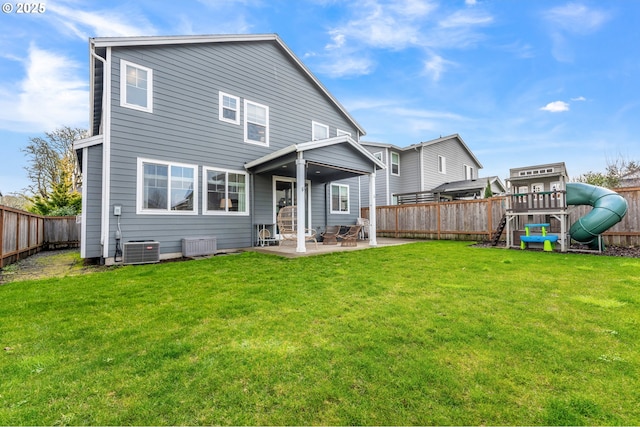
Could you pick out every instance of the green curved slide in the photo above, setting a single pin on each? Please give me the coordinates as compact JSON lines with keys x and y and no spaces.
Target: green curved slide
{"x":608,"y":209}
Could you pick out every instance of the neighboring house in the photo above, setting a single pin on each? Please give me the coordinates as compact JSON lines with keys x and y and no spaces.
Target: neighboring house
{"x":209,"y":136}
{"x":421,"y":167}
{"x":631,"y":179}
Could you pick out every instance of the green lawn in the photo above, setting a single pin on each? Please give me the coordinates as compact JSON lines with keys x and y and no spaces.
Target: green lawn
{"x":427,"y":333}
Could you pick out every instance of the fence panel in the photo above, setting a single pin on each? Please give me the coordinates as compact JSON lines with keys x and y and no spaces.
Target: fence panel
{"x":23,"y":233}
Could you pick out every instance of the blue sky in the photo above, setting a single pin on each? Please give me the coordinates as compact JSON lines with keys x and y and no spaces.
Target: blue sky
{"x":523,"y":82}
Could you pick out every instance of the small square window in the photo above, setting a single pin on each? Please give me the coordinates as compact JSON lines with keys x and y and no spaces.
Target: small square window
{"x":319,"y":131}
{"x":339,"y":198}
{"x":229,"y":108}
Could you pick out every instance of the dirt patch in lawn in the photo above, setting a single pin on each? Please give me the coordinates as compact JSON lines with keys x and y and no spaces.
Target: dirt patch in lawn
{"x":48,"y":264}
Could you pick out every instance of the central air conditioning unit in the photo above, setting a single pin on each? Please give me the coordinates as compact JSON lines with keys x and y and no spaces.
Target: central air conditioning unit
{"x":141,"y":252}
{"x":199,"y":246}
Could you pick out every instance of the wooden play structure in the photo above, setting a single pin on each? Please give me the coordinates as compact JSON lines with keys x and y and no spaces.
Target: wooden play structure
{"x":536,"y":207}
{"x":537,"y":213}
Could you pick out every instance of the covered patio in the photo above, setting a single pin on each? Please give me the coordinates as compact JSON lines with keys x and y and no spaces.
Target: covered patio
{"x":317,"y":162}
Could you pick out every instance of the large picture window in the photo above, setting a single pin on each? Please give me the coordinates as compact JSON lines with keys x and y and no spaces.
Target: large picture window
{"x":256,"y":123}
{"x":136,"y":86}
{"x":225,"y":192}
{"x":339,"y":198}
{"x":165,"y":187}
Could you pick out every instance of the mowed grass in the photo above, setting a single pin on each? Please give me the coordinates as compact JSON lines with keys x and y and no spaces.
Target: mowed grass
{"x":427,"y":333}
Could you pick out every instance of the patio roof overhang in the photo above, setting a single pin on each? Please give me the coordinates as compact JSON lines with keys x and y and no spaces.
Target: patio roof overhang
{"x":323,"y":159}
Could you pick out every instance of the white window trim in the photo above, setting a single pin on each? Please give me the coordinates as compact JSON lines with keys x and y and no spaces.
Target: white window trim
{"x":340,"y":132}
{"x":221,"y":108}
{"x":468,"y":172}
{"x":123,"y":87}
{"x":393,"y":153}
{"x":379,"y":155}
{"x":313,"y":130}
{"x":140,"y":188}
{"x":246,"y":122}
{"x":348,"y":211}
{"x":442,"y":161}
{"x":205,"y":210}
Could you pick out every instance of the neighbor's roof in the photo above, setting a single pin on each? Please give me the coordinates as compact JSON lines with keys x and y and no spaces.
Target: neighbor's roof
{"x":221,"y":38}
{"x":426,"y":143}
{"x":469,"y":184}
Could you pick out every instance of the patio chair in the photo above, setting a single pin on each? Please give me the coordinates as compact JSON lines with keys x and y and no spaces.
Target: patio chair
{"x":350,"y":237}
{"x":330,"y":235}
{"x":364,"y":231}
{"x":287,"y":226}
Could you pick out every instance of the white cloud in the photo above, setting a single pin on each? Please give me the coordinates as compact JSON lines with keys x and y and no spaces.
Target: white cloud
{"x":400,"y":25}
{"x":435,"y":66}
{"x":576,"y":18}
{"x":556,"y":107}
{"x":571,"y":20}
{"x":102,"y":23}
{"x":579,"y":98}
{"x":466,"y":18}
{"x":347,"y":65}
{"x":52,"y":94}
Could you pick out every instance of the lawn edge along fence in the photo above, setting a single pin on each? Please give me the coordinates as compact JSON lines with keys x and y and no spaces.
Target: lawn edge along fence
{"x":23,"y":234}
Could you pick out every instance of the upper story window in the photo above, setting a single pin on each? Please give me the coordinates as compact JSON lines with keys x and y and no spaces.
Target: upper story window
{"x":468,"y":172}
{"x":229,"y":106}
{"x":340,"y":132}
{"x":378,"y":155}
{"x":442,"y":164}
{"x":225,"y":192}
{"x":165,"y":187}
{"x":395,"y":163}
{"x":339,"y":198}
{"x":256,"y":123}
{"x":136,"y":86}
{"x":319,"y":131}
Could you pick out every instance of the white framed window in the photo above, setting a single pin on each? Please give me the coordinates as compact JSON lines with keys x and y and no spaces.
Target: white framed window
{"x":340,"y":132}
{"x":136,"y":86}
{"x":395,"y":163}
{"x":378,"y":155}
{"x":229,"y":107}
{"x":468,"y":172}
{"x":225,"y":192}
{"x":256,"y":123}
{"x":166,"y":188}
{"x":339,"y":198}
{"x":442,"y":164}
{"x":319,"y":131}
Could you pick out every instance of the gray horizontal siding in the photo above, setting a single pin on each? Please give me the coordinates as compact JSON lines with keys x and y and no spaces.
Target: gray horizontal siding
{"x":93,"y":202}
{"x":184,"y":128}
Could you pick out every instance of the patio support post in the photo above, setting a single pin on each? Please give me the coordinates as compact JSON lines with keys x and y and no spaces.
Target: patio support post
{"x":372,"y":210}
{"x":301,"y":202}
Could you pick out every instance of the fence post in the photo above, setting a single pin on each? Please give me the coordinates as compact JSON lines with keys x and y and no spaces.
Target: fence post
{"x":489,"y":216}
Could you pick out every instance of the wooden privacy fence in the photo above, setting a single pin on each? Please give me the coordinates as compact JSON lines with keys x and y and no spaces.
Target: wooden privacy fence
{"x":477,"y":220}
{"x":23,"y":234}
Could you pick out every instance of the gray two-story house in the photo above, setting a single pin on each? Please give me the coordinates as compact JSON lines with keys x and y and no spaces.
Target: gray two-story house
{"x":444,"y":166}
{"x":210,"y":136}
